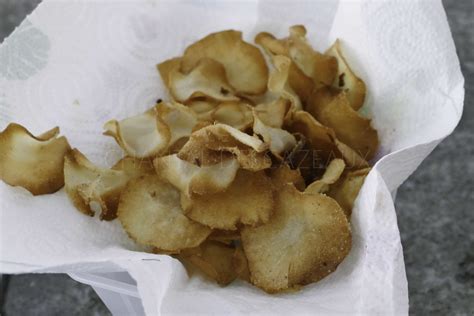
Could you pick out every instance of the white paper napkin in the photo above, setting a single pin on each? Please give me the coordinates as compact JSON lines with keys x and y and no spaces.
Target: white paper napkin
{"x":77,"y":64}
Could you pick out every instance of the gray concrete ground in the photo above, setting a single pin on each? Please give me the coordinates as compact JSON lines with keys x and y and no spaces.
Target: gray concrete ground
{"x":435,"y":210}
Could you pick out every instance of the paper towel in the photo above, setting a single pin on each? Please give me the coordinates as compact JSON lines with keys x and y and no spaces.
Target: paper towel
{"x":77,"y":64}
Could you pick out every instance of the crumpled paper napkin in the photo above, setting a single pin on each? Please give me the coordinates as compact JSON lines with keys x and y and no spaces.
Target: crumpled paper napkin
{"x":77,"y":64}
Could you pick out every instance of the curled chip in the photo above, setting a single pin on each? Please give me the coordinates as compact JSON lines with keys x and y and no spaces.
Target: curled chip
{"x":235,"y":114}
{"x":330,"y":176}
{"x":283,"y":174}
{"x":212,"y":144}
{"x":166,"y":67}
{"x":345,"y":190}
{"x":289,"y":82}
{"x":248,"y":201}
{"x":150,"y":212}
{"x":321,"y":68}
{"x":141,"y":136}
{"x":34,"y":163}
{"x":346,"y":79}
{"x":278,"y":140}
{"x":350,"y":127}
{"x":134,"y":167}
{"x":191,"y":179}
{"x":206,"y":79}
{"x":307,"y":237}
{"x":215,"y":260}
{"x":181,"y":120}
{"x":241,"y":265}
{"x":90,"y":187}
{"x":244,"y":64}
{"x":274,"y":113}
{"x":203,"y":108}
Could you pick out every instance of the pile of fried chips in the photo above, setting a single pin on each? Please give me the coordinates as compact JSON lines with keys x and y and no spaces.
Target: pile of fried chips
{"x":245,"y":173}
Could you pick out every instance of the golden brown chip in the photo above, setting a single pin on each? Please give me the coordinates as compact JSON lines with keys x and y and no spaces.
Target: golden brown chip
{"x":206,"y":79}
{"x":166,"y":67}
{"x":350,"y":127}
{"x":235,"y":114}
{"x":248,"y":201}
{"x":330,"y":176}
{"x":283,"y":174}
{"x":321,"y":68}
{"x":212,"y":144}
{"x":244,"y":64}
{"x":307,"y":237}
{"x":141,"y":136}
{"x":34,"y":163}
{"x":241,"y":265}
{"x":191,"y":179}
{"x":150,"y":212}
{"x":346,"y":79}
{"x":345,"y":190}
{"x":215,"y":260}
{"x":134,"y":167}
{"x":91,"y":188}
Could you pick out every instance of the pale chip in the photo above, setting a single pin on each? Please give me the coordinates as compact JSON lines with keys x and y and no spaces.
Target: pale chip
{"x":141,"y":136}
{"x":206,"y":79}
{"x":346,"y":79}
{"x":134,"y":167}
{"x":166,"y":67}
{"x":333,"y":171}
{"x":278,"y":139}
{"x":34,"y":163}
{"x":235,"y":114}
{"x":247,"y":201}
{"x":150,"y":212}
{"x":191,"y":179}
{"x":91,"y":188}
{"x":244,"y":64}
{"x":307,"y":237}
{"x":181,"y":120}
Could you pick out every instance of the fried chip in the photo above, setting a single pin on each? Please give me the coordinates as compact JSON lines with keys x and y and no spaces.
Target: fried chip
{"x":346,"y":79}
{"x":203,"y":108}
{"x":191,"y":179}
{"x":345,"y":190}
{"x":307,"y":237}
{"x":283,"y":174}
{"x":181,"y":120}
{"x":241,"y":265}
{"x":288,"y":82}
{"x":141,"y":136}
{"x":212,"y":144}
{"x":274,"y":113}
{"x":331,"y":175}
{"x":244,"y":64}
{"x":90,"y":187}
{"x":34,"y":163}
{"x":278,"y":140}
{"x":206,"y":79}
{"x":215,"y":260}
{"x":150,"y":212}
{"x":350,"y":127}
{"x":134,"y":167}
{"x":235,"y":114}
{"x":321,"y":68}
{"x":248,"y":201}
{"x":166,"y":67}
